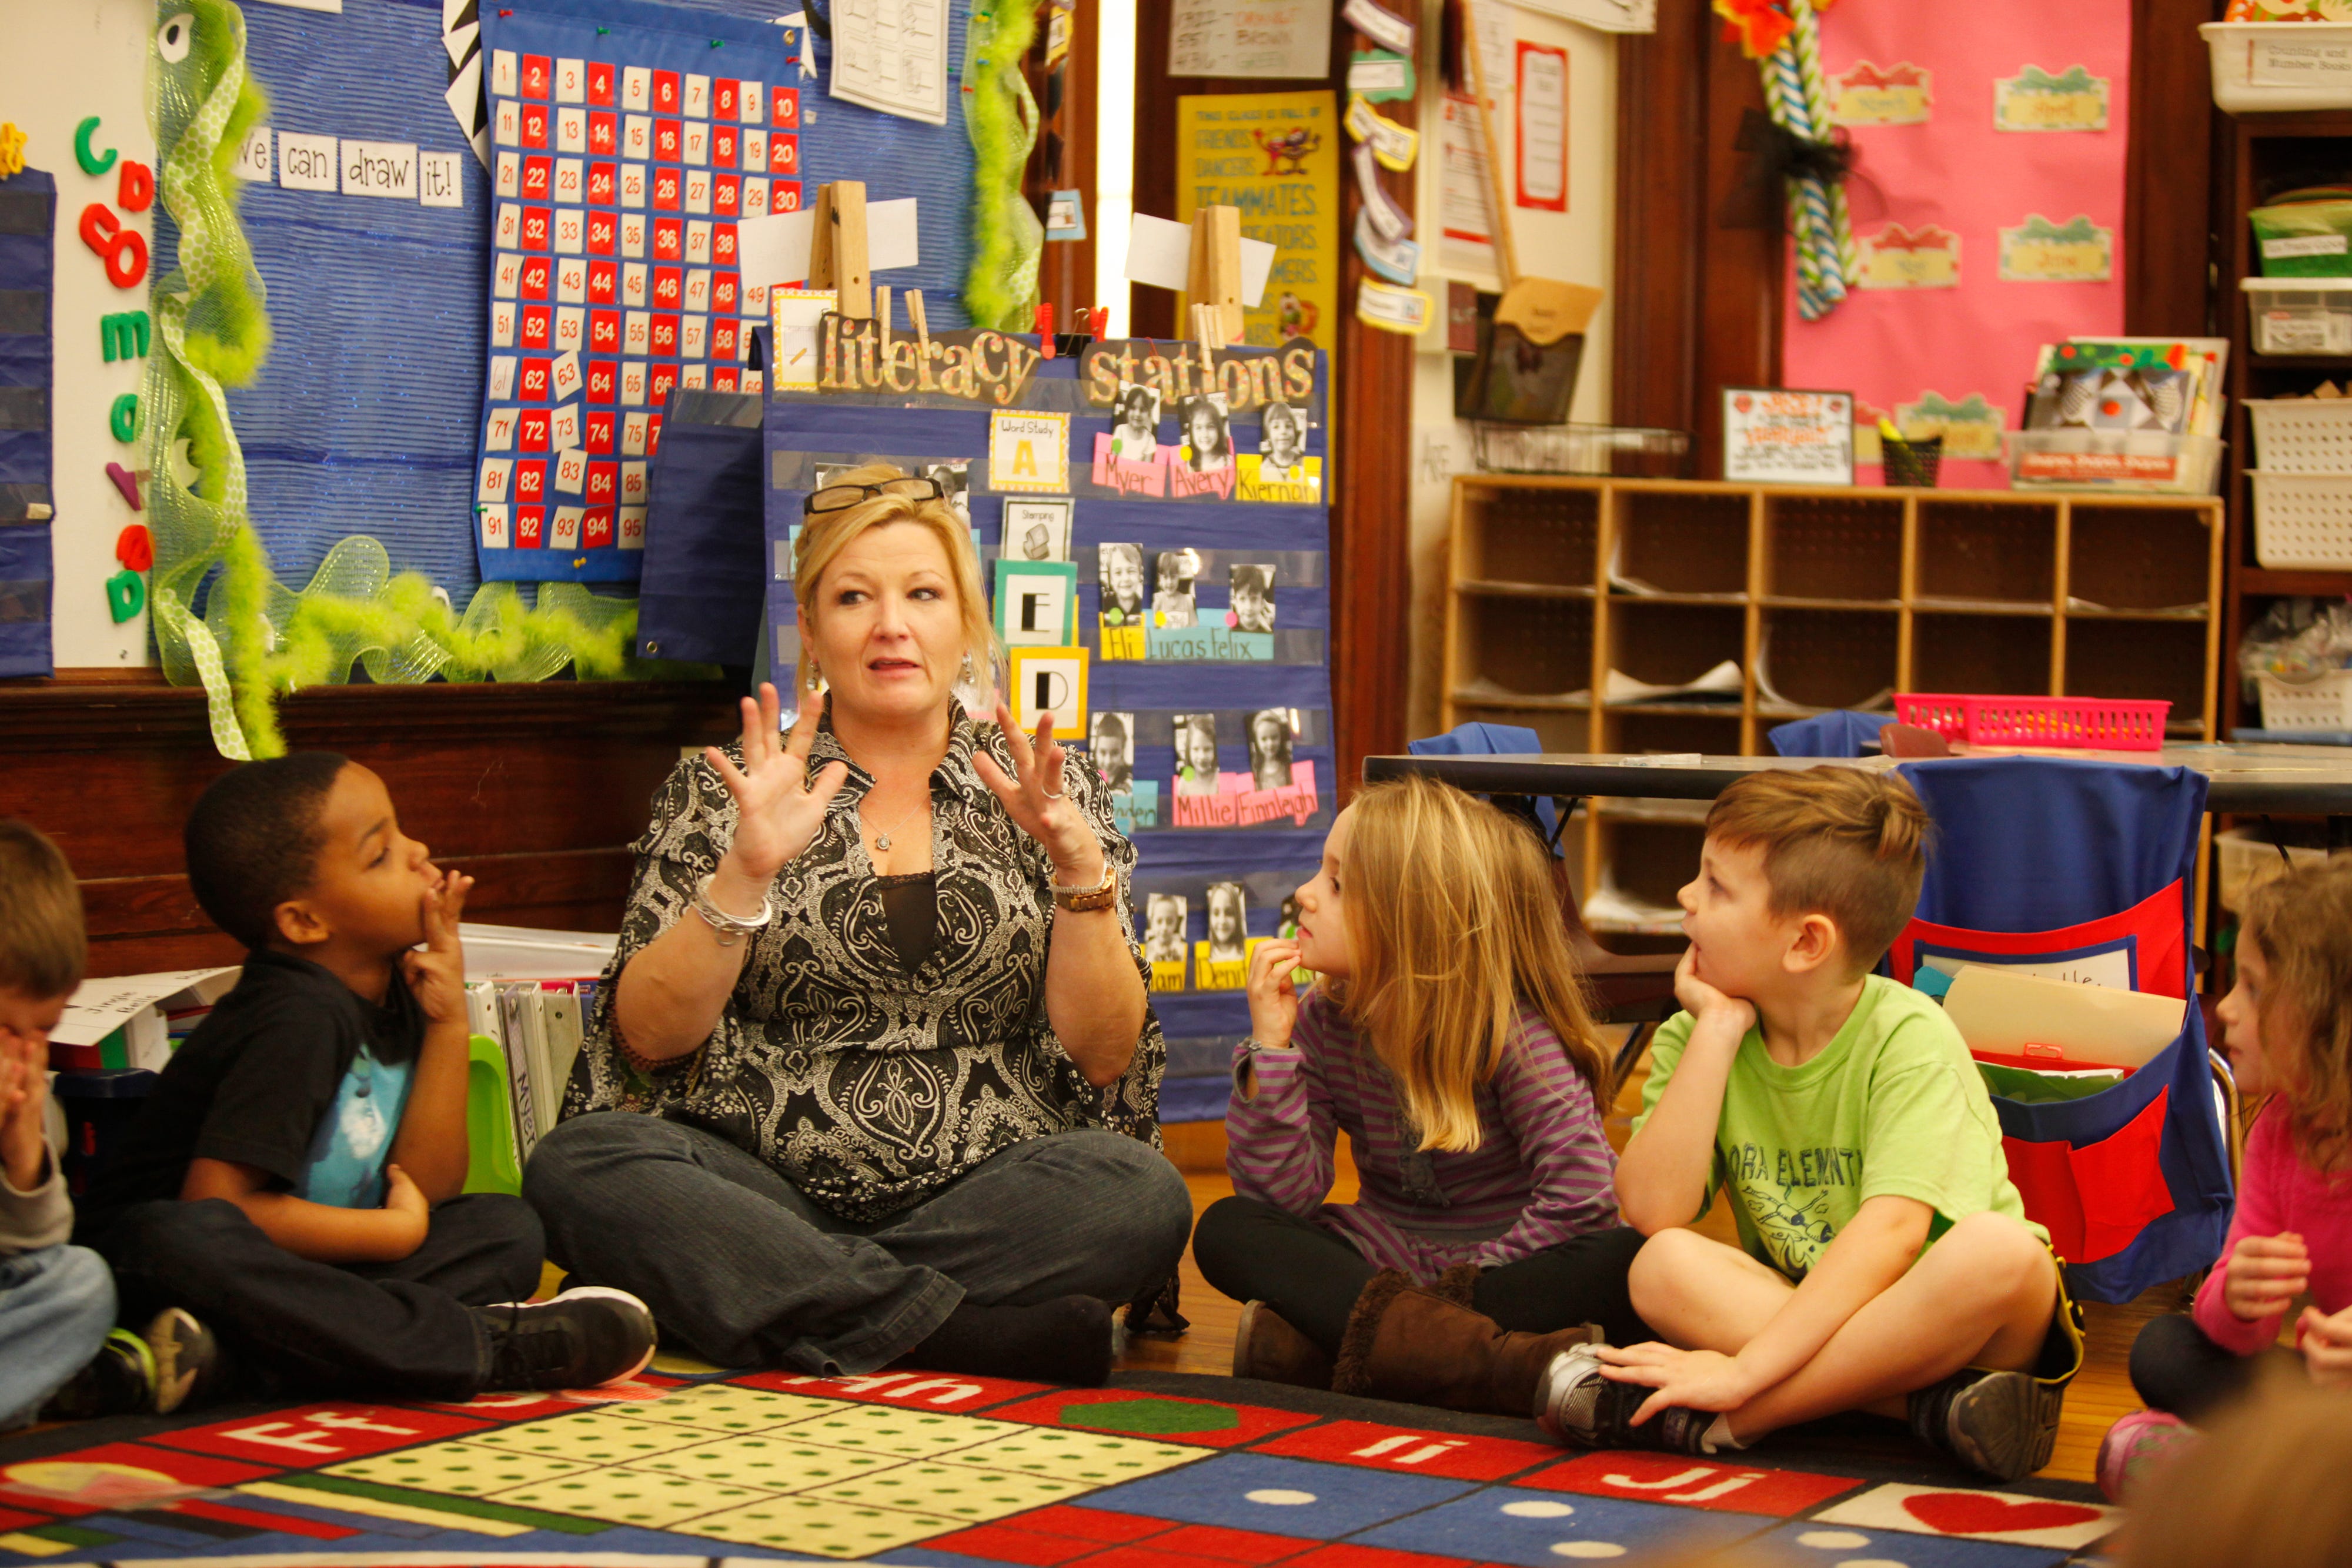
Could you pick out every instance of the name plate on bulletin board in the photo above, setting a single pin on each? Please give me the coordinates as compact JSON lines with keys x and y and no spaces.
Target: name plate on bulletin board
{"x":1773,"y":435}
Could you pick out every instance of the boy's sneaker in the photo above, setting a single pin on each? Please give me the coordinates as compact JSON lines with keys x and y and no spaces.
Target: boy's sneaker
{"x":1575,"y":1404}
{"x":176,"y":1361}
{"x":2000,"y":1424}
{"x":119,"y":1380}
{"x":582,"y":1339}
{"x":2135,"y":1445}
{"x":190,"y":1370}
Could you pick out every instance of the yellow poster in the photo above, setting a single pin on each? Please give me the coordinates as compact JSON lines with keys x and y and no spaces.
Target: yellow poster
{"x":1276,"y":156}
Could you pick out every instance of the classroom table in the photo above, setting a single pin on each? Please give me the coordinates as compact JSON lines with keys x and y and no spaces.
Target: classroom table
{"x":2253,"y":778}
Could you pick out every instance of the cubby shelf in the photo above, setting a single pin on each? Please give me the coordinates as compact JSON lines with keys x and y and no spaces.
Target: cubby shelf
{"x":1823,"y":597}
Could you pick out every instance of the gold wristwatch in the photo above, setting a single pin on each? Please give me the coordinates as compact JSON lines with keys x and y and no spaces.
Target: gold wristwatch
{"x":1087,"y":900}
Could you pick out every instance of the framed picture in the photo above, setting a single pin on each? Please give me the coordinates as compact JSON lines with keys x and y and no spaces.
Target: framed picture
{"x":1777,"y":435}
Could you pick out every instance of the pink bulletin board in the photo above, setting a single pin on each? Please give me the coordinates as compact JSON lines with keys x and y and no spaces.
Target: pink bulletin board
{"x":1936,"y":182}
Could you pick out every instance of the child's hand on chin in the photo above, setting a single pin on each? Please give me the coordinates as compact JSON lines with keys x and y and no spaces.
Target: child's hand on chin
{"x":1704,"y":1002}
{"x":1274,"y":992}
{"x":436,"y":973}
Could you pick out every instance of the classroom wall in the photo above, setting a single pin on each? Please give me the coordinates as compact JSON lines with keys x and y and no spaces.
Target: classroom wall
{"x":63,"y":63}
{"x":1576,"y":246}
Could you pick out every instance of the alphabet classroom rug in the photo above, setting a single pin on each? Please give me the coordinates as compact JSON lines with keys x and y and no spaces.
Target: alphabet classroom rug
{"x":914,"y":1470}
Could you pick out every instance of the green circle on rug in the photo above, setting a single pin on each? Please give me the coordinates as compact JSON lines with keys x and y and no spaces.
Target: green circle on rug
{"x":1163,"y":1418}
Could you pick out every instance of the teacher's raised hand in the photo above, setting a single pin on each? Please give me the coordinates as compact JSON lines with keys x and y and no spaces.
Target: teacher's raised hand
{"x":778,"y":810}
{"x":1036,"y":803}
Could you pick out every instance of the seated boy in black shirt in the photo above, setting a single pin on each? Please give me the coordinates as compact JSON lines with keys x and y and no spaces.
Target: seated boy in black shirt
{"x":294,"y":1178}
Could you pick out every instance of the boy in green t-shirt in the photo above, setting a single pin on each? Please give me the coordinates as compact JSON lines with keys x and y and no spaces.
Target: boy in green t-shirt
{"x":1885,"y":1262}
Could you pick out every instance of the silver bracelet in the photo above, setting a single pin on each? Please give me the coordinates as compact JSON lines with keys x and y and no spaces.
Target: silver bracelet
{"x":731,"y":929}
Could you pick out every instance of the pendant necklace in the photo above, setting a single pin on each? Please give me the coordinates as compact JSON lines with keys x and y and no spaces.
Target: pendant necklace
{"x":882,"y":840}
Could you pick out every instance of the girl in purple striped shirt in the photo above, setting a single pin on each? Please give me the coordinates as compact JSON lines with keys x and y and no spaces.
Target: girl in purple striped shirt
{"x":1447,"y":1036}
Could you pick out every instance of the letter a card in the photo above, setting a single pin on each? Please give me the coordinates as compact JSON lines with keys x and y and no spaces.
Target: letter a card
{"x":1029,"y":451}
{"x":1037,"y":603}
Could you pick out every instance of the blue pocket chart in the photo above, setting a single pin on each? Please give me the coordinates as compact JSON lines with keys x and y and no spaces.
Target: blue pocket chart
{"x":1205,"y":616}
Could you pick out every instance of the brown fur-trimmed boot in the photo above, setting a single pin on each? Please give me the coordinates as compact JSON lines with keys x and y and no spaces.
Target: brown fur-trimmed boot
{"x":1408,"y":1343}
{"x":1268,"y":1348}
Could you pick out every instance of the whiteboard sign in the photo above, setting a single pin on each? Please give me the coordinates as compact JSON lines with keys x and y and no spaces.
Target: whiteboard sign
{"x":1776,"y":436}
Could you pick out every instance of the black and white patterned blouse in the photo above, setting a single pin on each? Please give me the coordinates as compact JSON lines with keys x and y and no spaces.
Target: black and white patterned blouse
{"x":867,"y":1086}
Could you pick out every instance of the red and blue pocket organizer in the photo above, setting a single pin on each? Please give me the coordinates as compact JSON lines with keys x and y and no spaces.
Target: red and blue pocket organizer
{"x":2085,"y":868}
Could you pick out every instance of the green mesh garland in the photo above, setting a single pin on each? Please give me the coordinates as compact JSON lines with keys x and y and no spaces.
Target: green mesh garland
{"x":1000,"y":114}
{"x":257,"y":638}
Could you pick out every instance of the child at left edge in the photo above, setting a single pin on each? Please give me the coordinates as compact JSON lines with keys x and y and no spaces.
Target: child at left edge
{"x":60,"y":1355}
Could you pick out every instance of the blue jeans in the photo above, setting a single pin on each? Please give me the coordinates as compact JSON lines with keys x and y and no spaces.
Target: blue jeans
{"x":743,"y":1270}
{"x":56,"y":1305}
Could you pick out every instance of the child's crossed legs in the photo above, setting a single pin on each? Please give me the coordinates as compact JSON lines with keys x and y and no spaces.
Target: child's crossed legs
{"x":1984,"y":1295}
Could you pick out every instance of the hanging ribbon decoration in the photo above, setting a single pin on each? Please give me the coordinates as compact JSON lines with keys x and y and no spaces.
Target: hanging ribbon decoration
{"x":1783,"y":37}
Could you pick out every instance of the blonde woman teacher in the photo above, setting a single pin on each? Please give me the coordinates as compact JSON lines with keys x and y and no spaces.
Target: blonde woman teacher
{"x":872,"y":1074}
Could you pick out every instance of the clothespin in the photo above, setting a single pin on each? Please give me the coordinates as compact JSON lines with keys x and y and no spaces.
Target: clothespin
{"x":837,"y":253}
{"x":1214,"y":278}
{"x":1045,"y":329}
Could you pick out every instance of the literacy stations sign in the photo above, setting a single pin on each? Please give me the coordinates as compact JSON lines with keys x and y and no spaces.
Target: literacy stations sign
{"x":1775,"y":436}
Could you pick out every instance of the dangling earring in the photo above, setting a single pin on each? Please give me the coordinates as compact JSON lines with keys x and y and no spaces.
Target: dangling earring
{"x":816,"y":676}
{"x":967,"y":669}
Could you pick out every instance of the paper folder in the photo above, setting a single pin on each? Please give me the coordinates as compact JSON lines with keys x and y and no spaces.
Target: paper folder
{"x":2027,"y":1020}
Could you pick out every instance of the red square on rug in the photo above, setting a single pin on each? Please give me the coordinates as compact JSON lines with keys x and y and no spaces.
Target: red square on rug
{"x":1346,"y":1554}
{"x":1165,"y":1551}
{"x":320,"y":1434}
{"x":1012,"y":1543}
{"x":1693,"y":1483}
{"x":1218,"y":1544}
{"x":116,"y":1476}
{"x":1049,"y":1537}
{"x":1131,"y":1413}
{"x":1379,"y":1447}
{"x":932,"y":1390}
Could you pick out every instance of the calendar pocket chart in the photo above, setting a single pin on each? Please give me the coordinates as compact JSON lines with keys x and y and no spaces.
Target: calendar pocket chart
{"x":624,"y":148}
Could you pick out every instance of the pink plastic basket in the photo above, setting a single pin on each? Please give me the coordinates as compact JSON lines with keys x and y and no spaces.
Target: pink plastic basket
{"x":2089,"y":723}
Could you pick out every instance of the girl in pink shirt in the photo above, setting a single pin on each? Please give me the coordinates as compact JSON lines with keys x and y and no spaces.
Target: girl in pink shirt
{"x":2286,"y":1263}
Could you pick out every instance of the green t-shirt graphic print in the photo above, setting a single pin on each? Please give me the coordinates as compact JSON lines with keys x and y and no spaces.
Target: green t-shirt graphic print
{"x":1893,"y":1107}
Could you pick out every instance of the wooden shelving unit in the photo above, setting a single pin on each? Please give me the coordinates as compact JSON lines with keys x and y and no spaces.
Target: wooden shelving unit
{"x":1831,"y":596}
{"x":2262,"y":156}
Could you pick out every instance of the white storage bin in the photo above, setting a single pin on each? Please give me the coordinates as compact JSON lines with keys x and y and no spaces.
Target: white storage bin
{"x":2300,"y":315}
{"x":2324,"y":703}
{"x":2127,"y":460}
{"x":2302,"y":434}
{"x":2247,"y":858}
{"x":2303,"y":522}
{"x":2260,"y":68}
